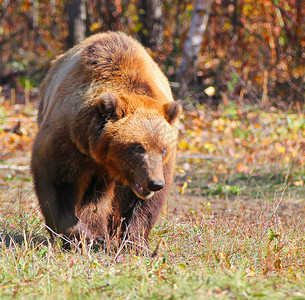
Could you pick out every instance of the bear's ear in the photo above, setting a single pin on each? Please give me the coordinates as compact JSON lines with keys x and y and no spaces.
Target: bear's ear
{"x":109,"y":105}
{"x":172,"y":111}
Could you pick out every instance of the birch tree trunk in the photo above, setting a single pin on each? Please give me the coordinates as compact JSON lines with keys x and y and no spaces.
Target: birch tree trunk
{"x":189,"y":61}
{"x":35,"y":14}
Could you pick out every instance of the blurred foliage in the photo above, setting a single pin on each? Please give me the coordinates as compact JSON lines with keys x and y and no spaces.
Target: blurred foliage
{"x":253,"y":51}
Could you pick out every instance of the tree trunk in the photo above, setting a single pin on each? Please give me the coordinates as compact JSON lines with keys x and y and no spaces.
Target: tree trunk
{"x":35,"y":14}
{"x":76,"y":10}
{"x":152,"y":19}
{"x":235,"y":17}
{"x":189,"y":61}
{"x":298,"y":29}
{"x":110,"y":14}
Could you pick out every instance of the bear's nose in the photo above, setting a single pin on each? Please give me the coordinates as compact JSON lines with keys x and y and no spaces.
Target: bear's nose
{"x":155,"y":185}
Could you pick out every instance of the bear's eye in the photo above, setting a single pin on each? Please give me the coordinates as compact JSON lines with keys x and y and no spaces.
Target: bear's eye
{"x":164,"y":151}
{"x":138,"y":148}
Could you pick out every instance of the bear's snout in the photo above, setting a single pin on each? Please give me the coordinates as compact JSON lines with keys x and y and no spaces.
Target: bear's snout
{"x":155,"y":185}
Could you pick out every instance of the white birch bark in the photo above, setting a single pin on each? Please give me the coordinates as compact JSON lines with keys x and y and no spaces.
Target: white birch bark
{"x":189,"y":61}
{"x":35,"y":14}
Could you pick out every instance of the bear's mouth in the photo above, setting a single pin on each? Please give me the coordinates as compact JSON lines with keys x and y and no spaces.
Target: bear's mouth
{"x":141,"y":192}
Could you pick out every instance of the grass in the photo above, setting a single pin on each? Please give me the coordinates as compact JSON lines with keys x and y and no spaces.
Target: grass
{"x":230,"y":230}
{"x":241,"y":253}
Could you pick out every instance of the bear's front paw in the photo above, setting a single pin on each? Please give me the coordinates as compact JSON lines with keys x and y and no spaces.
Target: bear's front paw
{"x":80,"y":233}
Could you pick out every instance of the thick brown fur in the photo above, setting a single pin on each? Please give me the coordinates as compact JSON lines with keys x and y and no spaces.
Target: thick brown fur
{"x":104,"y":154}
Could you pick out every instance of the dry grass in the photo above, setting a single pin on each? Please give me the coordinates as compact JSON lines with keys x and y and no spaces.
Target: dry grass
{"x":226,"y":233}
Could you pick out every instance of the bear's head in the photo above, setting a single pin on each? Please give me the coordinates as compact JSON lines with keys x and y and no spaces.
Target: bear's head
{"x":136,"y":141}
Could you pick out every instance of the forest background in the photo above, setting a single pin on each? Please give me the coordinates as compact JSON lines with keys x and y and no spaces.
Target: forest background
{"x":248,"y":50}
{"x":233,"y":226}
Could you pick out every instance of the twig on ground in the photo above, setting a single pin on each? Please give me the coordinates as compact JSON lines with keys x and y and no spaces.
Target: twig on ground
{"x":205,"y":157}
{"x":15,"y":168}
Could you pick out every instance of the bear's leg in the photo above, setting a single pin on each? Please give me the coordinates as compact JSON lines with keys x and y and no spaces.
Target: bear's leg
{"x":139,"y":219}
{"x":134,"y":218}
{"x":95,"y":207}
{"x":57,"y":202}
{"x":57,"y":192}
{"x":138,"y":216}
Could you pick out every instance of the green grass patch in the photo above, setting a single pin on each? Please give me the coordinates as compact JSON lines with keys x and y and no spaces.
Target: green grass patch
{"x":247,"y":252}
{"x":233,"y":227}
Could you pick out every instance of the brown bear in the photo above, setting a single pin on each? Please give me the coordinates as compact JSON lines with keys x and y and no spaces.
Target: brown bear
{"x":103,"y":158}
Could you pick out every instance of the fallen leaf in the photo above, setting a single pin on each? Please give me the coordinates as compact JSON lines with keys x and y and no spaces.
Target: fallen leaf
{"x":278,"y":264}
{"x":299,"y":182}
{"x":210,"y":91}
{"x":182,"y":188}
{"x":242,"y":168}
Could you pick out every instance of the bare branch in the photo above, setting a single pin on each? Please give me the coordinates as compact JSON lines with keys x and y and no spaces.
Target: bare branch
{"x":15,"y":168}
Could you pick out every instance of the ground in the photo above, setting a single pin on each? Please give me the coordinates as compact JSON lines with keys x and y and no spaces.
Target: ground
{"x":232,"y":228}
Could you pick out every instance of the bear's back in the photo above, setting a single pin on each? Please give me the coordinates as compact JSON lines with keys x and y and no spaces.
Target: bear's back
{"x":105,"y":62}
{"x":121,"y":61}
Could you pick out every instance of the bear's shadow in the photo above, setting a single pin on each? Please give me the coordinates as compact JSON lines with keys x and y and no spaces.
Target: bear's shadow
{"x":11,"y":239}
